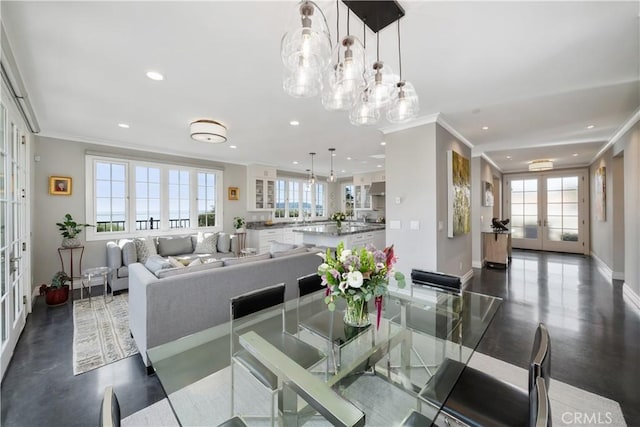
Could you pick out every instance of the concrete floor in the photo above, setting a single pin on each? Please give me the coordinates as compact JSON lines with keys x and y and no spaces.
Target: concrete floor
{"x":595,"y":344}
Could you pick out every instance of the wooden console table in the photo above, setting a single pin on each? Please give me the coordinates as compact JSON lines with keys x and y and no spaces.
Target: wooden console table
{"x":70,"y":272}
{"x":496,"y":249}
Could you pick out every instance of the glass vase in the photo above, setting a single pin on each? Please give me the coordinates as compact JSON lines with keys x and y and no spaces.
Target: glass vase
{"x":357,"y":313}
{"x":339,"y":224}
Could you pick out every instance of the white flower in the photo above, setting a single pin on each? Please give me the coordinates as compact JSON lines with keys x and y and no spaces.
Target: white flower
{"x":354,"y":279}
{"x":322,"y":255}
{"x":342,"y":286}
{"x":379,"y":266}
{"x":323,"y":268}
{"x":345,"y":254}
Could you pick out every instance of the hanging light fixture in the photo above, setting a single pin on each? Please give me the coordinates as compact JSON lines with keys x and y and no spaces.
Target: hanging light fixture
{"x":305,"y":52}
{"x":312,"y":177}
{"x":207,"y":130}
{"x":332,"y":177}
{"x":364,"y":112}
{"x":404,"y":101}
{"x":345,"y":77}
{"x":540,"y":165}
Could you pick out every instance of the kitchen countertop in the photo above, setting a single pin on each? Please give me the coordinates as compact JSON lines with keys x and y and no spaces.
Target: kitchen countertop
{"x":332,"y":230}
{"x":300,"y":225}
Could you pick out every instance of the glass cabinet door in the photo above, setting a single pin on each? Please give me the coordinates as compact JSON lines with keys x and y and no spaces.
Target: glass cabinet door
{"x":366,"y":193}
{"x":271,"y":194}
{"x":259,"y":194}
{"x":358,"y":197}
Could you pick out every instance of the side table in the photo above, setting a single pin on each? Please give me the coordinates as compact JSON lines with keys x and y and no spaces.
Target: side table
{"x":70,"y":272}
{"x":91,"y":274}
{"x":241,"y":242}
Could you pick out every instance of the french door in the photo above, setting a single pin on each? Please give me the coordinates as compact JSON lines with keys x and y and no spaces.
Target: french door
{"x":549,"y":210}
{"x":14,"y":257}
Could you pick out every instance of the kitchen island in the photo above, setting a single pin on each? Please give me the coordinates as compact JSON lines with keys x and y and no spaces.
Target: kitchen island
{"x":353,"y":235}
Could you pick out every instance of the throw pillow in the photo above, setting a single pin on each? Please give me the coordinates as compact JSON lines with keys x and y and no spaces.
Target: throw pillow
{"x":129,"y":253}
{"x":224,"y":243}
{"x":168,"y":246}
{"x":175,"y":263}
{"x":145,"y":247}
{"x":155,"y":263}
{"x":207,"y":243}
{"x":246,"y":259}
{"x":195,"y":262}
{"x":281,"y":247}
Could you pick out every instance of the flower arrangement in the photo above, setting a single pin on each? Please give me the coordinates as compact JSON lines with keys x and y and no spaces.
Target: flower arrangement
{"x":238,"y":222}
{"x":358,"y":275}
{"x":338,"y":217}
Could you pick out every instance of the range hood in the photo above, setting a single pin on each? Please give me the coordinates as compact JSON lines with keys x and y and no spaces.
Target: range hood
{"x":377,"y":188}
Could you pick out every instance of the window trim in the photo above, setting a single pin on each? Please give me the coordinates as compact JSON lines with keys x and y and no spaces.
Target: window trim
{"x":130,"y":231}
{"x":302,"y":183}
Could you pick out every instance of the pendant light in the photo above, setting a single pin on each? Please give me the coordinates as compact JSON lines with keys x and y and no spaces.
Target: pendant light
{"x":312,"y":178}
{"x":332,"y":177}
{"x":404,"y":105}
{"x":364,"y":112}
{"x":305,"y":51}
{"x":345,"y":77}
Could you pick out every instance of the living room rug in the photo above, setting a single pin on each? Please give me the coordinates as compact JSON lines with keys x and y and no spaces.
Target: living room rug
{"x":208,"y":400}
{"x":101,"y":332}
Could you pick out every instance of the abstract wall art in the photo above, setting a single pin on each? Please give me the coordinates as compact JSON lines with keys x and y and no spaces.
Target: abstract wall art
{"x":459,"y":206}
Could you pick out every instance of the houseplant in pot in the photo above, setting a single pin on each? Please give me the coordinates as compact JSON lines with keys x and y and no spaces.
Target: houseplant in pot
{"x":69,"y":230}
{"x":238,"y":224}
{"x":58,"y":292}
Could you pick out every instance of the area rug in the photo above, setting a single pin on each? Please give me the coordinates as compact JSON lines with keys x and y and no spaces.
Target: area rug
{"x":206,"y":402}
{"x":101,"y":332}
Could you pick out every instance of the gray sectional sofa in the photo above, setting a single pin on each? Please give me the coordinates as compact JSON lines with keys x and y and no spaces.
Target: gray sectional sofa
{"x":165,"y":309}
{"x":122,"y":253}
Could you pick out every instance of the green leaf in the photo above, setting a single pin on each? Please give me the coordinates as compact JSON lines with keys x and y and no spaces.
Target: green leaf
{"x":367,"y":297}
{"x":327,"y":299}
{"x":331,"y":306}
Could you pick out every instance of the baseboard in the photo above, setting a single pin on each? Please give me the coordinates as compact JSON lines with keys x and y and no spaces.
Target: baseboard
{"x":631,"y":295}
{"x":467,"y":277}
{"x":603,"y":267}
{"x":618,"y":275}
{"x":476,"y":264}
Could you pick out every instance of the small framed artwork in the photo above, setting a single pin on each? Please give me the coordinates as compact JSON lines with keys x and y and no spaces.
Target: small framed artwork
{"x":234,"y":193}
{"x":487,"y":193}
{"x":60,"y":185}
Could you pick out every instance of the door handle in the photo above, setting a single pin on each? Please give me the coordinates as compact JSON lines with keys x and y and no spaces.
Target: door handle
{"x":539,"y":223}
{"x":545,"y":222}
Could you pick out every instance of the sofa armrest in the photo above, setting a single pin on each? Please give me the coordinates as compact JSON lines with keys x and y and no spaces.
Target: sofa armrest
{"x":139,"y":279}
{"x":114,"y":256}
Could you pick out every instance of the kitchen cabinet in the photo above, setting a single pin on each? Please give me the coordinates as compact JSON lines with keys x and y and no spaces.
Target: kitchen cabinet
{"x":262,"y":239}
{"x":362,"y":197}
{"x":261,"y":191}
{"x":376,"y":238}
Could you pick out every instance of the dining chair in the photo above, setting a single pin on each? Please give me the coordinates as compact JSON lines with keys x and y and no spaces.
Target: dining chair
{"x":262,"y":311}
{"x":479,"y":399}
{"x":109,"y":409}
{"x":432,"y":279}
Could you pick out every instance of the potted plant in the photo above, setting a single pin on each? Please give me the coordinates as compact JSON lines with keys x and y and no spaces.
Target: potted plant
{"x":58,"y":292}
{"x":238,"y":224}
{"x":70,"y":229}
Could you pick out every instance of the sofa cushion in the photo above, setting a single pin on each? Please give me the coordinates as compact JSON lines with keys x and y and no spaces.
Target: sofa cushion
{"x":123,"y":272}
{"x":195,"y":262}
{"x":176,"y":271}
{"x":246,"y":259}
{"x":281,"y":247}
{"x":224,"y":242}
{"x":207,"y":243}
{"x":156,"y":263}
{"x":174,"y":245}
{"x":175,"y":262}
{"x":300,"y":250}
{"x":144,"y":248}
{"x":129,"y":252}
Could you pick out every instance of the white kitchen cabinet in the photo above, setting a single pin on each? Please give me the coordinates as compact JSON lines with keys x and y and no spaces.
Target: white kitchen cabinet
{"x":262,"y":239}
{"x":261,"y":188}
{"x":362,"y":197}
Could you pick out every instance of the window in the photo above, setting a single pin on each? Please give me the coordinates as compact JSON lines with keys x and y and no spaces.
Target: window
{"x":163,"y":197}
{"x":110,"y":196}
{"x":295,"y":198}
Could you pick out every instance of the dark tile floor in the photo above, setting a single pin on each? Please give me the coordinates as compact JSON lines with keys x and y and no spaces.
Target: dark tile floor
{"x":595,"y":336}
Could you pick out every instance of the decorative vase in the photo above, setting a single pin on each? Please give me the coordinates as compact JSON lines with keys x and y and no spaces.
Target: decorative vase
{"x":339,"y":224}
{"x":71,"y":242}
{"x":57,"y":296}
{"x":357,"y":313}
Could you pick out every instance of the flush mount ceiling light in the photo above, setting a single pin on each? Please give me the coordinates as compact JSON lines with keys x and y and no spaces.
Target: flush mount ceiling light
{"x":206,"y":130}
{"x":154,"y":75}
{"x":332,"y":177}
{"x":540,"y":165}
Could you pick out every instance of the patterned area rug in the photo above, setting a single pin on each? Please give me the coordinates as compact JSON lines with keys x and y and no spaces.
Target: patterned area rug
{"x":101,"y":332}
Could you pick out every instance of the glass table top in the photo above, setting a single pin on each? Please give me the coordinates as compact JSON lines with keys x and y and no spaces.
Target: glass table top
{"x":383,"y":371}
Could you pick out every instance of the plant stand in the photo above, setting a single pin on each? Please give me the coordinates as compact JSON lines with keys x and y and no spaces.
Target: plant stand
{"x":70,"y":272}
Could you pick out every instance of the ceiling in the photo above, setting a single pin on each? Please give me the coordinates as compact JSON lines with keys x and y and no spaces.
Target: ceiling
{"x":537,"y":74}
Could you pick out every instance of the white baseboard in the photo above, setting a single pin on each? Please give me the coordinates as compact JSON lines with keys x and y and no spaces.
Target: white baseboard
{"x":603,"y":267}
{"x":476,"y":264}
{"x":467,"y":276}
{"x":632,"y":296}
{"x":618,"y":275}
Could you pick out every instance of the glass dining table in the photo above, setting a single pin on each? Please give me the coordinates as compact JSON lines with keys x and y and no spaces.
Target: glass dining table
{"x":380,"y":375}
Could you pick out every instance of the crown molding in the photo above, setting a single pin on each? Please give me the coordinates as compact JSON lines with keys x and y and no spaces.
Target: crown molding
{"x":424,"y":120}
{"x":442,"y":122}
{"x":491,"y":162}
{"x":635,"y":117}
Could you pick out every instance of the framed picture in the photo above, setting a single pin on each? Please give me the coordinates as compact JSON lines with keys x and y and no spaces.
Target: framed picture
{"x":60,"y":185}
{"x":234,"y":193}
{"x":487,"y":193}
{"x":459,"y":191}
{"x":601,"y":193}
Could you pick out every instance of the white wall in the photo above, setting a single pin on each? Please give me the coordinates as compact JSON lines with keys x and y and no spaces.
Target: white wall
{"x":67,"y":158}
{"x":602,"y":231}
{"x":481,"y":171}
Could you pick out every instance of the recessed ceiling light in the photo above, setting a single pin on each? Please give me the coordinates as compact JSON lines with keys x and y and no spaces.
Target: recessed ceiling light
{"x":485,"y":127}
{"x":123,"y":125}
{"x":383,"y":143}
{"x":509,"y":157}
{"x":295,"y":162}
{"x":343,"y":171}
{"x":348,"y":158}
{"x":378,"y":166}
{"x":591,"y":126}
{"x":154,"y":75}
{"x":233,"y":146}
{"x":575,"y":154}
{"x":294,"y":123}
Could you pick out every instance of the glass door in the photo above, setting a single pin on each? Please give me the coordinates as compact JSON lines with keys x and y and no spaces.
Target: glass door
{"x":12,"y":235}
{"x":549,"y":211}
